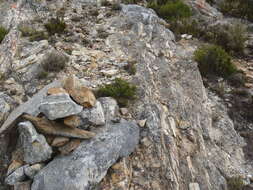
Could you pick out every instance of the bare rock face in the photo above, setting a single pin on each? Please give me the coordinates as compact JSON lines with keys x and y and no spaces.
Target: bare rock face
{"x":94,"y":116}
{"x":59,"y":106}
{"x":81,"y":94}
{"x":34,"y":145}
{"x":88,"y":164}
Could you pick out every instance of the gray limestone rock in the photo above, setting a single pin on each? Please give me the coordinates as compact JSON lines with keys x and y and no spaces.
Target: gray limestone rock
{"x":94,"y":115}
{"x":110,"y":107}
{"x":59,"y":106}
{"x":88,"y":164}
{"x":34,"y":145}
{"x":17,"y":176}
{"x":31,"y":171}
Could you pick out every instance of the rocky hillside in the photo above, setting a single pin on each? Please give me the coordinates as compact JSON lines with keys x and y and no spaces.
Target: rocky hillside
{"x":104,"y":96}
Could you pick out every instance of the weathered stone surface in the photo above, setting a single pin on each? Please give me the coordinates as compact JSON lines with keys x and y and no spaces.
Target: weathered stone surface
{"x":59,"y":141}
{"x":26,"y":185}
{"x":110,"y":107}
{"x":34,"y":145}
{"x":73,"y":121}
{"x":53,"y":91}
{"x":52,"y":128}
{"x":194,"y":186}
{"x":17,"y":176}
{"x":72,"y":145}
{"x":81,"y":94}
{"x":88,"y":164}
{"x":59,"y":106}
{"x":31,"y":171}
{"x":30,"y":107}
{"x":13,"y":166}
{"x":94,"y":115}
{"x":4,"y":106}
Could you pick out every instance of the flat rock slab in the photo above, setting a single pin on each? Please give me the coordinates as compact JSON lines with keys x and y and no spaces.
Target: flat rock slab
{"x":31,"y":107}
{"x":59,"y":106}
{"x":88,"y":164}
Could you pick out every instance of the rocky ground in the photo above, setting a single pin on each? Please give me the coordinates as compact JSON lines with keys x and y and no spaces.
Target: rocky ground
{"x":189,"y":136}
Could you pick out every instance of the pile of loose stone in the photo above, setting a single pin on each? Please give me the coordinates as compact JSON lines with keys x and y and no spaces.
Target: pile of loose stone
{"x":65,"y":116}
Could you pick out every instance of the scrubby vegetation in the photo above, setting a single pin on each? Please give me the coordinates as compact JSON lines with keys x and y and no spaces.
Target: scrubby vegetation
{"x":3,"y":33}
{"x":238,"y":8}
{"x":171,"y":10}
{"x":54,"y":62}
{"x":214,"y":60}
{"x":55,"y":25}
{"x":235,"y":183}
{"x":33,"y":34}
{"x":121,"y":90}
{"x":231,"y":37}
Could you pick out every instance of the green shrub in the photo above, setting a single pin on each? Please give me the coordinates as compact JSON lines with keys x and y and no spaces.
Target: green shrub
{"x":116,"y":7}
{"x":3,"y":33}
{"x":38,"y":35}
{"x":231,"y":37}
{"x":235,"y":183}
{"x":54,"y":62}
{"x":42,"y":74}
{"x":238,"y":8}
{"x":214,"y":60}
{"x":171,"y":10}
{"x":186,"y":26}
{"x":121,"y":90}
{"x":105,"y":3}
{"x":33,"y":34}
{"x":55,"y":25}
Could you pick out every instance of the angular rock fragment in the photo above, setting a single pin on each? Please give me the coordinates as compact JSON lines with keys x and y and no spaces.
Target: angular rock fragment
{"x":124,"y":111}
{"x":88,"y":164}
{"x":17,"y":176}
{"x":59,"y":106}
{"x":34,"y":145}
{"x":31,"y":171}
{"x":73,"y":121}
{"x":94,"y":115}
{"x":72,"y":145}
{"x":59,"y":141}
{"x":13,"y":166}
{"x":52,"y":128}
{"x":110,"y":107}
{"x":81,"y":94}
{"x":26,"y":185}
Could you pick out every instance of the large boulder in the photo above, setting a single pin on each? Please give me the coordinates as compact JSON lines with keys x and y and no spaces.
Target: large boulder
{"x":34,"y":145}
{"x":88,"y":164}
